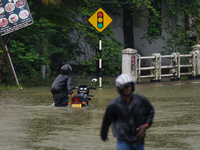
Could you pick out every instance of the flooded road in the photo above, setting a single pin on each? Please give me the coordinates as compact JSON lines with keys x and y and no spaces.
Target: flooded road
{"x":29,"y":122}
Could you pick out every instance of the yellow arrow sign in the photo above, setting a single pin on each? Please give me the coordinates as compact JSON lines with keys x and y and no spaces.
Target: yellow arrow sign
{"x":100,"y":20}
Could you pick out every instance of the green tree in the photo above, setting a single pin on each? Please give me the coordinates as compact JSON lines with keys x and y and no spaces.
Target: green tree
{"x":169,"y":20}
{"x":48,"y":42}
{"x":175,"y":15}
{"x":32,"y":47}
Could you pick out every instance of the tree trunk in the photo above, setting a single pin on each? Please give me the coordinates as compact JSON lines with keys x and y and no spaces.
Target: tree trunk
{"x":128,"y":28}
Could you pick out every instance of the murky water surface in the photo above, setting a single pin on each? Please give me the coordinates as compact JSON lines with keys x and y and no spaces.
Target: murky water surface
{"x":29,"y":122}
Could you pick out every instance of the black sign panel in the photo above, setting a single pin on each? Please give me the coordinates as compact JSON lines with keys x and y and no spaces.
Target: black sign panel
{"x":14,"y":15}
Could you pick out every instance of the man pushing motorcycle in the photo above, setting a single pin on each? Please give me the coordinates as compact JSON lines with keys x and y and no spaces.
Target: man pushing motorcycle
{"x":130,"y":115}
{"x":61,"y":86}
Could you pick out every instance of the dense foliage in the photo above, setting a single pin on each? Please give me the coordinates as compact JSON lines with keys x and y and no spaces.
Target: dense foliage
{"x":179,"y":21}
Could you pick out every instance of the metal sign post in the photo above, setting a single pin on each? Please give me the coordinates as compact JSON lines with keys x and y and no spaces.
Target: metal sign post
{"x":10,"y":64}
{"x":100,"y":61}
{"x":100,"y":20}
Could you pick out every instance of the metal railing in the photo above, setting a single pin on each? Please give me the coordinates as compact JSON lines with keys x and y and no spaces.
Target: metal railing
{"x":174,"y":67}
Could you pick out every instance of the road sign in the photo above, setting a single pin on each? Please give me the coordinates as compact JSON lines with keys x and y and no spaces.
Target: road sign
{"x":100,"y":20}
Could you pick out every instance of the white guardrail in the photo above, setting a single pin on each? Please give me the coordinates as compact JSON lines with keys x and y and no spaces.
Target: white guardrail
{"x":191,"y":61}
{"x":174,"y":66}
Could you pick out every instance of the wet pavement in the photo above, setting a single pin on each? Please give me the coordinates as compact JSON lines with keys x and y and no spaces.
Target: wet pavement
{"x":28,"y":121}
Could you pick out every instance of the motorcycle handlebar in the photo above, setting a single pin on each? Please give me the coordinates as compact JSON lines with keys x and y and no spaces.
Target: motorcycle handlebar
{"x":73,"y":88}
{"x":90,"y":87}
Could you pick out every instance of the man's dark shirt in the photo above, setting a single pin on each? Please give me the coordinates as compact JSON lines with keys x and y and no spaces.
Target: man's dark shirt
{"x":126,"y":119}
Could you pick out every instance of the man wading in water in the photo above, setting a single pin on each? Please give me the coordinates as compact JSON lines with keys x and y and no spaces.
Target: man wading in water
{"x":130,"y":115}
{"x":61,"y":86}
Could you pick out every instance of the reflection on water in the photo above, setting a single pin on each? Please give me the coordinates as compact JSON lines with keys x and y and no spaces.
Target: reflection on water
{"x":28,"y":121}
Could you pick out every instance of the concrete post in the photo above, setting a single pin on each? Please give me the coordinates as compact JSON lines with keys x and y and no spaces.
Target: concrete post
{"x":193,"y":61}
{"x":156,"y":63}
{"x":196,"y":48}
{"x":174,"y":63}
{"x":129,"y":62}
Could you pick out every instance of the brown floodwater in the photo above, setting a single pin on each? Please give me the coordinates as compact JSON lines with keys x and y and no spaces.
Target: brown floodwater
{"x":28,"y":121}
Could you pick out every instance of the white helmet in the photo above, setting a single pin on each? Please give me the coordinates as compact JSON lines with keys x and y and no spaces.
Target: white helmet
{"x":124,"y":80}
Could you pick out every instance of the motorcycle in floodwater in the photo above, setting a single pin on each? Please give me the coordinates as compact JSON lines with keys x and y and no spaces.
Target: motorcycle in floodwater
{"x":83,"y":97}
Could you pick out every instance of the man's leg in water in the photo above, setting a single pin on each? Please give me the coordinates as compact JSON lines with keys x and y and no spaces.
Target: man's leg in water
{"x":64,"y":100}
